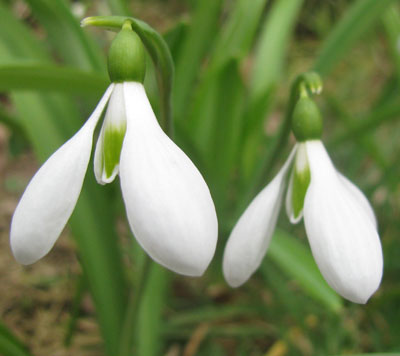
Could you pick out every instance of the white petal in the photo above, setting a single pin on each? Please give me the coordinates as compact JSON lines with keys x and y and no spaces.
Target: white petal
{"x":343,"y":238}
{"x":50,"y":197}
{"x":250,"y":238}
{"x":115,"y":119}
{"x":360,"y":197}
{"x":168,"y":203}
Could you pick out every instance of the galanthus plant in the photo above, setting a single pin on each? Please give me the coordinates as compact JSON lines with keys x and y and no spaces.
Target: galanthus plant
{"x":339,"y":221}
{"x":168,"y":204}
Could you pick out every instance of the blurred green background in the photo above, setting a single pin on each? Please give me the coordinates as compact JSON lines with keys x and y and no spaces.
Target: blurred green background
{"x":235,"y":62}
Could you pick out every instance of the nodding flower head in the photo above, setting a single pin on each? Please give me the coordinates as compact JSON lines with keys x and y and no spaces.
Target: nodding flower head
{"x":168,"y":204}
{"x":339,"y":221}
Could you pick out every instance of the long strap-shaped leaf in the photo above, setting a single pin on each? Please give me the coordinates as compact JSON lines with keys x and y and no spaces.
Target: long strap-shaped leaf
{"x":9,"y":344}
{"x":296,"y":260}
{"x":361,"y":16}
{"x":198,"y":39}
{"x":65,"y":35}
{"x":39,"y":76}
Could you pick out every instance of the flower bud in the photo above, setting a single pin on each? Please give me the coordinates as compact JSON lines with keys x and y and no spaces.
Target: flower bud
{"x":307,"y":120}
{"x":126,"y":58}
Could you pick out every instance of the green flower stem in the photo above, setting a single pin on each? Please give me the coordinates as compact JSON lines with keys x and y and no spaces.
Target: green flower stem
{"x":310,"y":81}
{"x":158,"y":51}
{"x":132,"y":311}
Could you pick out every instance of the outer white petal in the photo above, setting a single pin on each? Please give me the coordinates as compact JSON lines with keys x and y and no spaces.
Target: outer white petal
{"x":50,"y":197}
{"x":115,"y":118}
{"x":250,"y":238}
{"x":169,"y":206}
{"x":360,"y":197}
{"x":342,"y":235}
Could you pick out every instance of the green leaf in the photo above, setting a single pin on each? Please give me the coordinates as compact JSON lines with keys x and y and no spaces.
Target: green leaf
{"x":219,"y":110}
{"x":159,"y":53}
{"x":358,"y":132}
{"x":119,"y":7}
{"x":237,"y":35}
{"x":66,"y":35}
{"x":387,"y":112}
{"x":297,"y":261}
{"x":272,"y":46}
{"x":391,"y":23}
{"x":361,"y":16}
{"x":93,"y":226}
{"x":232,"y":44}
{"x":38,"y":76}
{"x":271,"y":51}
{"x":149,"y":324}
{"x":197,"y":40}
{"x":9,"y":344}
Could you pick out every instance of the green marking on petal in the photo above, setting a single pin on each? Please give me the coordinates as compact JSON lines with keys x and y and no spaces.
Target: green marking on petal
{"x":301,"y":181}
{"x":113,"y":139}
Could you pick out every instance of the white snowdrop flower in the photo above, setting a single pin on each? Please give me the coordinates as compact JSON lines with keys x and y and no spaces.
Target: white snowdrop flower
{"x":339,"y":221}
{"x":168,"y":204}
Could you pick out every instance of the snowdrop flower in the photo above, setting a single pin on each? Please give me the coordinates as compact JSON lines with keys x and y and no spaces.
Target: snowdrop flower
{"x":168,"y":203}
{"x":340,"y":224}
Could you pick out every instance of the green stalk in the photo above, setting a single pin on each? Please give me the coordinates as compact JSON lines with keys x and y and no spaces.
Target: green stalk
{"x":158,"y":51}
{"x":312,"y":82}
{"x":132,"y":311}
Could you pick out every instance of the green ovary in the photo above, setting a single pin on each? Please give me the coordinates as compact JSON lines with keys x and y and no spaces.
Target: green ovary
{"x":301,"y":181}
{"x":112,"y":145}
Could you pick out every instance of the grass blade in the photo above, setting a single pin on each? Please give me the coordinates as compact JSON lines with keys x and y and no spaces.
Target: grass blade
{"x":223,"y":100}
{"x":149,"y":325}
{"x":236,"y":37}
{"x":269,"y":58}
{"x":119,"y":7}
{"x":9,"y":344}
{"x":28,"y":76}
{"x":272,"y":46}
{"x":296,"y":260}
{"x":197,"y":41}
{"x":361,"y":16}
{"x":66,"y":35}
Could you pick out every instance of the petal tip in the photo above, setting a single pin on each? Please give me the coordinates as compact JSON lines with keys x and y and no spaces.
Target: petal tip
{"x":232,"y":280}
{"x":184,"y":267}
{"x":23,"y":255}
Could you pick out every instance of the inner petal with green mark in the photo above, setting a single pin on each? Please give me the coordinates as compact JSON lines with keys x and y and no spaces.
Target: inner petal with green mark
{"x":113,"y":139}
{"x":109,"y":144}
{"x":299,"y":181}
